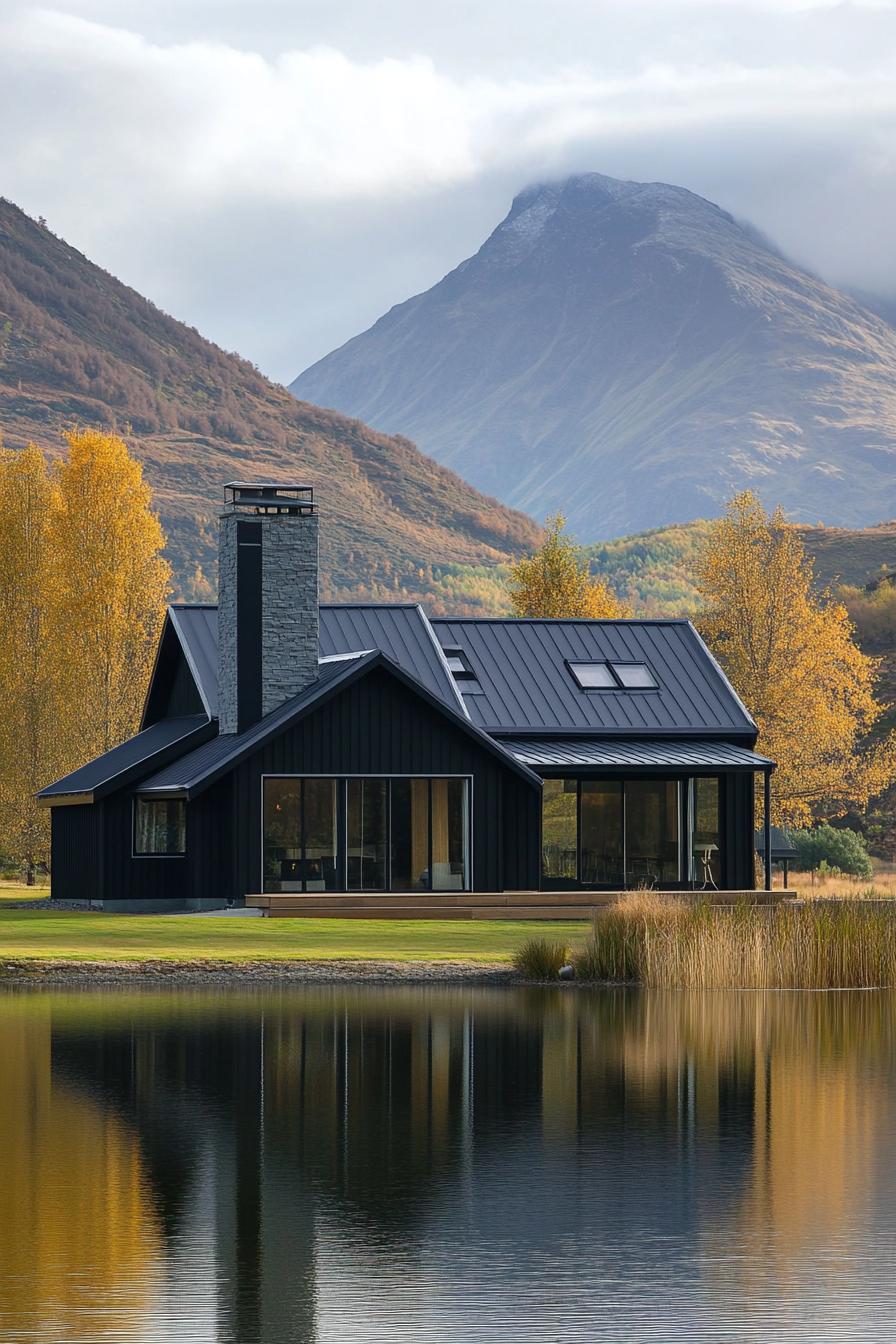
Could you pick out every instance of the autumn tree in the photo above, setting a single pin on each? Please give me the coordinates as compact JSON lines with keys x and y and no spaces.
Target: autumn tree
{"x":112,"y":585}
{"x":82,"y":591}
{"x":556,"y":581}
{"x":31,"y":750}
{"x":791,"y":656}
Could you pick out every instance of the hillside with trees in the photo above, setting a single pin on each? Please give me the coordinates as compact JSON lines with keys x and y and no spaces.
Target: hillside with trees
{"x":77,"y":347}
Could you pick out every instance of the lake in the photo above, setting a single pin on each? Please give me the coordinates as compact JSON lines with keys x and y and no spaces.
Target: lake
{"x":446,"y":1164}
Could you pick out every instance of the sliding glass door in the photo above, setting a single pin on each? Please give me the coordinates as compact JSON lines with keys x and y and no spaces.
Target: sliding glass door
{"x":627,"y":833}
{"x":365,"y":834}
{"x":300,"y":825}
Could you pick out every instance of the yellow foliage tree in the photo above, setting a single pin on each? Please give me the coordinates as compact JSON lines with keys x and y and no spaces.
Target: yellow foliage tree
{"x":556,"y":582}
{"x":791,"y":656}
{"x":112,"y":585}
{"x":82,"y":596}
{"x":31,"y":748}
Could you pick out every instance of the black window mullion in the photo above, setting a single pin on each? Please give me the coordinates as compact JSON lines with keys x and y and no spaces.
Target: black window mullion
{"x":302,"y":835}
{"x":579,"y":832}
{"x":429,"y":814}
{"x":388,"y":835}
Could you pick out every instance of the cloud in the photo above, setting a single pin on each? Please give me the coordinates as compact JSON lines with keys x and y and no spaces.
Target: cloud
{"x":169,"y":157}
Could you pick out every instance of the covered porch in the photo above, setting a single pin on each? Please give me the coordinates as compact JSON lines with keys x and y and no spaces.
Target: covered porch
{"x":670,"y":815}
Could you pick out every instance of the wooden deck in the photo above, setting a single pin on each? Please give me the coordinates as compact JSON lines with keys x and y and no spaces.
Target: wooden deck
{"x":472,"y":904}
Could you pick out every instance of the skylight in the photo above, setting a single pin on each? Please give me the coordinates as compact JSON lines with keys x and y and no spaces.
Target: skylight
{"x":613,"y":676}
{"x":459,"y":664}
{"x":635,"y":676}
{"x":594,"y":676}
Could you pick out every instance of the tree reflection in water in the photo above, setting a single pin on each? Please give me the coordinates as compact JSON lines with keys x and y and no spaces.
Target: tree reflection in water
{"x":337,"y":1163}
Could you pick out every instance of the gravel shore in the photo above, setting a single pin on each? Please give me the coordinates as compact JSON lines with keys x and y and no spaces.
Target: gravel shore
{"x":41,"y":971}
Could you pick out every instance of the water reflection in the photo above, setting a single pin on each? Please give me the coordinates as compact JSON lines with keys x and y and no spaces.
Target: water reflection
{"x":446,"y":1165}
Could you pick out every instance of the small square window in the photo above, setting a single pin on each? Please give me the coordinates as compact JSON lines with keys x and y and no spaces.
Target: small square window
{"x":635,"y":676}
{"x":160,"y":826}
{"x":593,"y":676}
{"x":458,"y":664}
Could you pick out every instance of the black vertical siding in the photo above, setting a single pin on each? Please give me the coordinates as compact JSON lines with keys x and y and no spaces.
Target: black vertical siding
{"x":378,"y":727}
{"x":738,"y":793}
{"x":155,"y":878}
{"x":76,"y":852}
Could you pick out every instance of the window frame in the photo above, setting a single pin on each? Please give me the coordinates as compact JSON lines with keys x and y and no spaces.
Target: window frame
{"x":341,"y":781}
{"x":156,"y":854}
{"x":616,"y":683}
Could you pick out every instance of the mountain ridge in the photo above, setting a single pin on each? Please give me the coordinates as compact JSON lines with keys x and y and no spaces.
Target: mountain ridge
{"x":633,"y":354}
{"x":79,"y":347}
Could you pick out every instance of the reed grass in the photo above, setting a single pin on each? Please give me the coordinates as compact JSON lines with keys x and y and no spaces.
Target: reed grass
{"x":540,"y":958}
{"x":665,"y":943}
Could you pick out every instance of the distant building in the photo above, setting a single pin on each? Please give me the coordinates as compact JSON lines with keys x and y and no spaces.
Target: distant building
{"x":299,"y":749}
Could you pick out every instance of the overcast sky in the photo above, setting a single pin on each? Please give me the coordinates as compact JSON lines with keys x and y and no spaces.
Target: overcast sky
{"x":278,"y":173}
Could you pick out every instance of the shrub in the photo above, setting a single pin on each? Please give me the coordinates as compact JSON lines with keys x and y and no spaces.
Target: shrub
{"x":837,"y":847}
{"x":540,"y":959}
{"x":840,"y":944}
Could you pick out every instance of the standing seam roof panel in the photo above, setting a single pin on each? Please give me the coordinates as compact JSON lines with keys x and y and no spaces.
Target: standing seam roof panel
{"x":521,"y":666}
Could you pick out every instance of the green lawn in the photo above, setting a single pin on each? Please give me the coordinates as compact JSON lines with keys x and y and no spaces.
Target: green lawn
{"x":64,"y":936}
{"x":17,"y":891}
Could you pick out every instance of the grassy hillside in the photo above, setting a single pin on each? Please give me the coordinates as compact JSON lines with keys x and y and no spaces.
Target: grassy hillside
{"x":654,"y":571}
{"x":78,"y":347}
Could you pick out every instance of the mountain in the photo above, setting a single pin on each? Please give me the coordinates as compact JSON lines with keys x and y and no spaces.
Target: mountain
{"x":631,"y":354}
{"x":77,"y":347}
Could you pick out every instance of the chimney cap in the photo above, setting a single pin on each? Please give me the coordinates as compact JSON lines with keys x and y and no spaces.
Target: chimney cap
{"x":269,"y":497}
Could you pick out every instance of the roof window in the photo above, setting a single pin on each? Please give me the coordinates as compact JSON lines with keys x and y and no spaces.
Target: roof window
{"x":459,"y":664}
{"x":594,"y":676}
{"x":613,"y":676}
{"x":635,"y":676}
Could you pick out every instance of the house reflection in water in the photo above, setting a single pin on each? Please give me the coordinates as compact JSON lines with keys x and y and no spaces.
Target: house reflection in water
{"x":291,"y":1158}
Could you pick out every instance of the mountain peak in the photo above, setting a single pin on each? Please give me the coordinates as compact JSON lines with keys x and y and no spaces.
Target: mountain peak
{"x":630,"y":353}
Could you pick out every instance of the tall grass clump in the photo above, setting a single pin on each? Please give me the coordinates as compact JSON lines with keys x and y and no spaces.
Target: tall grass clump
{"x":680,"y":945}
{"x":540,"y":958}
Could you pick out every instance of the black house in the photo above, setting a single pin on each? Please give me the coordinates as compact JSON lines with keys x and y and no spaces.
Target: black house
{"x":288,"y":746}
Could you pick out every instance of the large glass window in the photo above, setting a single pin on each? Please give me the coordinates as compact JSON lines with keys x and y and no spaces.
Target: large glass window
{"x":160,"y":826}
{"x":369,"y":834}
{"x":300,"y":834}
{"x":449,"y":834}
{"x":367,"y":822}
{"x":706,"y":844}
{"x":603,"y":862}
{"x":559,"y":836}
{"x":651,"y":831}
{"x":613,"y":833}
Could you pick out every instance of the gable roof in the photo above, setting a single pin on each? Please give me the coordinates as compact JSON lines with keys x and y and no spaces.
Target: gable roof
{"x":400,"y":630}
{"x":526,"y":687}
{"x":119,"y":767}
{"x":196,"y":771}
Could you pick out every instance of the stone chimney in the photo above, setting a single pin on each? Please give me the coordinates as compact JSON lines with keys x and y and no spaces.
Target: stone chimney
{"x":267,"y":599}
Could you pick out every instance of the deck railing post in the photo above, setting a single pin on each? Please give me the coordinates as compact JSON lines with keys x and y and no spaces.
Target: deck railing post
{"x":767,"y":827}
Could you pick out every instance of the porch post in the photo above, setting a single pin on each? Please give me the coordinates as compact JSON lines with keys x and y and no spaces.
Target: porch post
{"x":767,"y":826}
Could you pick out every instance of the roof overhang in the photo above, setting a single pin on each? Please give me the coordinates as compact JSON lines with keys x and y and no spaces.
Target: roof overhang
{"x":642,"y":754}
{"x":345,"y":672}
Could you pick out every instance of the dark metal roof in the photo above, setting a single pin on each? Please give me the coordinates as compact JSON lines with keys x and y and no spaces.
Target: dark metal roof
{"x":200,"y":768}
{"x":690,"y":753}
{"x":124,"y":763}
{"x":400,"y":630}
{"x":780,"y":847}
{"x":526,"y":687}
{"x":197,"y":630}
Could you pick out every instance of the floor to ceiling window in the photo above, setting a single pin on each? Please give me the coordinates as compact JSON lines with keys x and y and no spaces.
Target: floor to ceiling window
{"x":559,"y":833}
{"x":300,"y":834}
{"x":366,"y":834}
{"x":629,"y":833}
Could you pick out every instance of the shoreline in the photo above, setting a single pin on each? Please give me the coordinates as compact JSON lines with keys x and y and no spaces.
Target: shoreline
{"x":47,"y":971}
